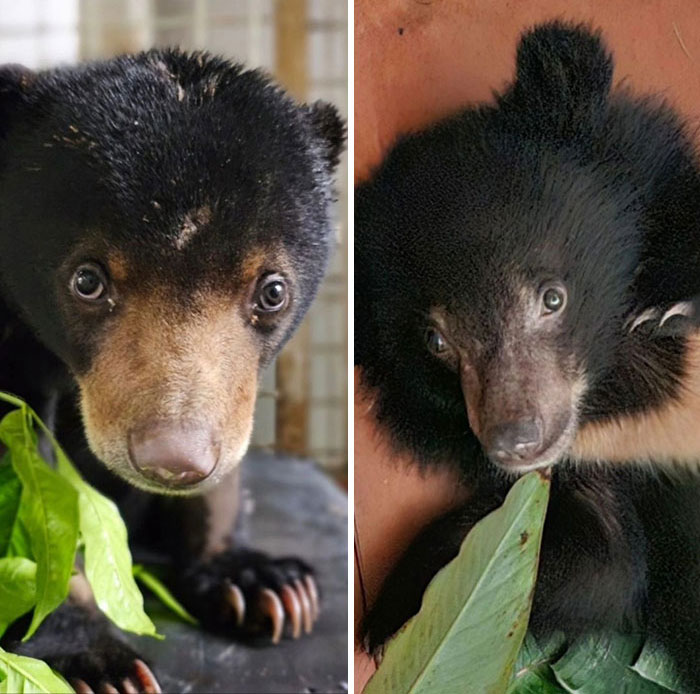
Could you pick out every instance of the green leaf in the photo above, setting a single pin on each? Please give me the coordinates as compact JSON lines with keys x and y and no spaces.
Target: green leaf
{"x":107,"y":558}
{"x":20,"y":542}
{"x":17,"y":589}
{"x":654,"y":665}
{"x":14,"y":537}
{"x":162,"y":593}
{"x":533,"y":674}
{"x":474,"y":615}
{"x":22,"y":675}
{"x":50,"y":515}
{"x":601,"y":663}
{"x":10,"y":492}
{"x":108,"y":565}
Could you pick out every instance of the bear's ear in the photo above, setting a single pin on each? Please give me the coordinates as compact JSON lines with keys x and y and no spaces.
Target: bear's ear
{"x":563,"y":66}
{"x":330,"y":127}
{"x":15,"y":81}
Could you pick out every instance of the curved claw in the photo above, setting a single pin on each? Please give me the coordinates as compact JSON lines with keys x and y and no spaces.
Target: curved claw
{"x":107,"y":688}
{"x":306,"y":609}
{"x":145,"y":678}
{"x":81,"y":686}
{"x":234,"y":597}
{"x":128,"y":687}
{"x":683,"y":308}
{"x":643,"y":317}
{"x":312,"y":590}
{"x":292,"y":606}
{"x":271,"y":606}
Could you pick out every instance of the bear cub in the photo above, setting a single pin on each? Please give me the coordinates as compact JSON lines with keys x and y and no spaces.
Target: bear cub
{"x":165,"y":221}
{"x":527,"y":284}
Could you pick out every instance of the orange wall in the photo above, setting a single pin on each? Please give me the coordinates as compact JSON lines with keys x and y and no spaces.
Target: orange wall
{"x":454,"y":52}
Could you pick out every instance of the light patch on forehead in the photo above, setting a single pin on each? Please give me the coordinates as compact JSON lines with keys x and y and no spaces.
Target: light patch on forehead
{"x":526,"y":309}
{"x":117,"y":265}
{"x":526,"y":299}
{"x":163,"y":69}
{"x":439,"y":316}
{"x":211,"y":86}
{"x":252,"y":265}
{"x":194,"y":220}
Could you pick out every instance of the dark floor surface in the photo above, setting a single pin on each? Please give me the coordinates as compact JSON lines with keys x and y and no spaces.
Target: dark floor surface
{"x":290,"y":508}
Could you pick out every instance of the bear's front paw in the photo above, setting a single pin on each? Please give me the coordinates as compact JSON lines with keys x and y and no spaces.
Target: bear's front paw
{"x":250,"y":594}
{"x":669,"y":320}
{"x":80,"y":645}
{"x":130,"y":677}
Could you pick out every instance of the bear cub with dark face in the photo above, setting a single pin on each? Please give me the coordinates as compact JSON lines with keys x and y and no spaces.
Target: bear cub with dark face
{"x":527,"y":283}
{"x":164,"y":226}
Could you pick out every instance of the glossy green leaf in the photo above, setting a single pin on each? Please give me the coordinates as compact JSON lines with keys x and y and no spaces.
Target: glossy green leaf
{"x":606,"y":662}
{"x":49,"y":510}
{"x":17,"y":589}
{"x":474,"y":615}
{"x":162,"y":593}
{"x":10,"y":492}
{"x":532,"y":673}
{"x":20,"y":541}
{"x":601,"y":663}
{"x":108,"y":565}
{"x":653,"y":664}
{"x":22,"y":675}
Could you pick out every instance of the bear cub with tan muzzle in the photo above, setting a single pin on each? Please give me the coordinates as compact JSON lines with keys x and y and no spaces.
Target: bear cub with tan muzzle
{"x":165,"y":221}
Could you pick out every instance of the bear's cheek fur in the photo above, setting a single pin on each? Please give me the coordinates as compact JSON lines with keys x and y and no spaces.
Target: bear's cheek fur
{"x":161,"y":362}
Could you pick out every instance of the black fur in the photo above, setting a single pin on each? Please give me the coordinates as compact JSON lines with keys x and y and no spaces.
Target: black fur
{"x":93,"y":653}
{"x":96,"y":145}
{"x":201,"y":586}
{"x":109,"y":158}
{"x":564,"y":180}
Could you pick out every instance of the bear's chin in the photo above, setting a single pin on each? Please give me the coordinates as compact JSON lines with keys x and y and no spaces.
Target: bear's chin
{"x":147,"y":484}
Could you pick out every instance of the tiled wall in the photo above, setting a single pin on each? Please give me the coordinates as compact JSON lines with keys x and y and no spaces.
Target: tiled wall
{"x":36,"y":33}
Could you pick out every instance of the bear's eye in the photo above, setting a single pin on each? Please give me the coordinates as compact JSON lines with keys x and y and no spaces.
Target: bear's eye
{"x":271,"y":294}
{"x":435,"y":342}
{"x":89,"y":283}
{"x":553,"y":299}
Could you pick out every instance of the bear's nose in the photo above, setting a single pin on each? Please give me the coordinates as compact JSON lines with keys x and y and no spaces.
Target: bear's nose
{"x":173,"y":454}
{"x":514,"y":442}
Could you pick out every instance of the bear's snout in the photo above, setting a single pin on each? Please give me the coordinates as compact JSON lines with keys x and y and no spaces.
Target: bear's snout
{"x":174,"y":454}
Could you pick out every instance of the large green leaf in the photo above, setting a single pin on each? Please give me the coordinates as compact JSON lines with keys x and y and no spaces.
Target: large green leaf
{"x":108,"y":566}
{"x":50,"y":506}
{"x":20,"y":542}
{"x":654,"y":664}
{"x":533,"y":674}
{"x":13,"y":525}
{"x":10,"y":492}
{"x":474,"y":615}
{"x":597,"y":663}
{"x":22,"y":675}
{"x":17,"y":589}
{"x":601,"y":663}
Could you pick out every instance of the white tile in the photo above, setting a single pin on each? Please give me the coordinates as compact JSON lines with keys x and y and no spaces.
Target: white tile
{"x":18,"y":15}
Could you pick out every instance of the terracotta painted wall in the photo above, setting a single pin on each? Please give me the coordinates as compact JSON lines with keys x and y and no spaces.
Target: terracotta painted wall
{"x":417,"y":60}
